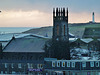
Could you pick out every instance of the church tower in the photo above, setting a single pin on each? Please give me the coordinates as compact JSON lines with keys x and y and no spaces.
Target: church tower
{"x":60,"y":24}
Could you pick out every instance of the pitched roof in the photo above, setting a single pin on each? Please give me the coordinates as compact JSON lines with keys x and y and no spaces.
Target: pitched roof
{"x":87,"y":40}
{"x":25,"y":45}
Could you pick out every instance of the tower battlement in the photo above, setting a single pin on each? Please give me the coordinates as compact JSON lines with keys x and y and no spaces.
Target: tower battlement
{"x":60,"y":13}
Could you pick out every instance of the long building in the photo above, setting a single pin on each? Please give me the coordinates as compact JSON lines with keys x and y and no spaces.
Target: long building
{"x":72,"y":67}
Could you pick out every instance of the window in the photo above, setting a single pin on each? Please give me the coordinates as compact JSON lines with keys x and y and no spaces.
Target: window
{"x":5,"y":72}
{"x":73,"y":64}
{"x":19,"y":65}
{"x":53,"y":63}
{"x":31,"y":65}
{"x":58,"y":63}
{"x":12,"y":65}
{"x":92,"y":64}
{"x":97,"y":64}
{"x":28,"y":65}
{"x":63,"y":64}
{"x":13,"y":72}
{"x":5,"y":65}
{"x":57,"y":29}
{"x":64,"y":30}
{"x":1,"y":72}
{"x":83,"y":64}
{"x":68,"y":64}
{"x":39,"y":66}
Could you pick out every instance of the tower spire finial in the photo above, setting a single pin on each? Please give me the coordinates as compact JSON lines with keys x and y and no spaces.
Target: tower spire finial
{"x":67,"y":12}
{"x":63,"y":11}
{"x":53,"y":12}
{"x":56,"y":11}
{"x":59,"y":12}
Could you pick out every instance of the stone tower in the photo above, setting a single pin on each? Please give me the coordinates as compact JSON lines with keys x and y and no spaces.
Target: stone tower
{"x":60,"y":24}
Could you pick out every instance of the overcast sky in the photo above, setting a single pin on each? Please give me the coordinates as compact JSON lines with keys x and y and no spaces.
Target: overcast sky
{"x":38,"y":13}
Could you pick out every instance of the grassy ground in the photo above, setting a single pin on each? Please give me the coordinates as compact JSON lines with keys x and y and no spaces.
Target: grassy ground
{"x":79,"y":29}
{"x":76,"y":29}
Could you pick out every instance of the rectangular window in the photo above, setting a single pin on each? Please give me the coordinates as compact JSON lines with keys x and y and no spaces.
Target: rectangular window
{"x":64,"y":30}
{"x":28,"y":64}
{"x":1,"y":72}
{"x":5,"y":72}
{"x":53,"y":63}
{"x":5,"y":65}
{"x":63,"y":64}
{"x":38,"y":66}
{"x":97,"y":63}
{"x":58,"y":63}
{"x":92,"y":64}
{"x":12,"y":65}
{"x":68,"y":64}
{"x":73,"y":64}
{"x":13,"y":72}
{"x":83,"y":64}
{"x":31,"y":65}
{"x":19,"y":65}
{"x":41,"y":66}
{"x":57,"y":29}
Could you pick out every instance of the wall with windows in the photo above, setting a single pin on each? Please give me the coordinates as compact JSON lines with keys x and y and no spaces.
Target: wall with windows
{"x":20,"y":68}
{"x":72,"y":65}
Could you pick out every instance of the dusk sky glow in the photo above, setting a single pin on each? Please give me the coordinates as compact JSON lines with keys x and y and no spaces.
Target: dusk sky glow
{"x":38,"y":13}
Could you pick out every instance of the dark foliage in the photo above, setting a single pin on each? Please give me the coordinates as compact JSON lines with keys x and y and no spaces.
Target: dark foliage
{"x":57,"y":49}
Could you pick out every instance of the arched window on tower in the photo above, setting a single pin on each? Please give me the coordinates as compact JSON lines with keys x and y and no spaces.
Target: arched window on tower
{"x":64,"y":30}
{"x":57,"y":29}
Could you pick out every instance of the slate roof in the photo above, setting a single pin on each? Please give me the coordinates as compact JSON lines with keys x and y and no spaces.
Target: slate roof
{"x":87,"y":40}
{"x":25,"y":45}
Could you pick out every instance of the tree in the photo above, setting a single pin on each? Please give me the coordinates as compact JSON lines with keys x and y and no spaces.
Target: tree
{"x":57,"y":49}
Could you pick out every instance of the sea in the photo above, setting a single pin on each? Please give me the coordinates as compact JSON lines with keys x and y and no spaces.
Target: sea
{"x":6,"y":33}
{"x":5,"y":30}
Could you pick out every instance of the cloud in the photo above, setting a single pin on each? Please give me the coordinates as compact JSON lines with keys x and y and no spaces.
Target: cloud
{"x":83,"y":17}
{"x":37,"y":18}
{"x":20,"y":18}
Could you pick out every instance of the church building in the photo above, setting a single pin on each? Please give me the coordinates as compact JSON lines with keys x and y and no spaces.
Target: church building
{"x":60,"y":24}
